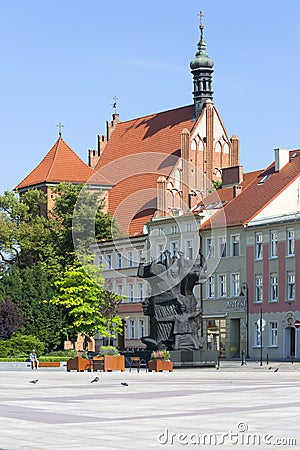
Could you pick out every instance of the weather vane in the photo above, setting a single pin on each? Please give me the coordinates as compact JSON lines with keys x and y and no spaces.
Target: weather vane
{"x":114,"y":104}
{"x":60,"y":126}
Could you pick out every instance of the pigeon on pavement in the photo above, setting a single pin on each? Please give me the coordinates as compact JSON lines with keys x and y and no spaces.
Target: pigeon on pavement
{"x":95,"y":380}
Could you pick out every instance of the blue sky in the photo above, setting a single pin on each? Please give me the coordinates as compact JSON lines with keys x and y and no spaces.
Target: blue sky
{"x":64,"y":61}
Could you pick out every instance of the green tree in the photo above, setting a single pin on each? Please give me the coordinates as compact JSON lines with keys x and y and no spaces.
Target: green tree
{"x":25,"y":236}
{"x":91,"y":308}
{"x":77,"y":211}
{"x":28,"y":288}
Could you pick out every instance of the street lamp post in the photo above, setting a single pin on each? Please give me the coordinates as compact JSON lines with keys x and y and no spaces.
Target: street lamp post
{"x":246,"y":290}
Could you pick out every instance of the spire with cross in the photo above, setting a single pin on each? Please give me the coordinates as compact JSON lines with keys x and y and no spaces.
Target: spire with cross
{"x":202,"y":70}
{"x":201,"y":15}
{"x":60,"y":126}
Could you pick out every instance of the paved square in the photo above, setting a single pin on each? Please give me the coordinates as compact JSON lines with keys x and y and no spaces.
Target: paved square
{"x":234,"y":407}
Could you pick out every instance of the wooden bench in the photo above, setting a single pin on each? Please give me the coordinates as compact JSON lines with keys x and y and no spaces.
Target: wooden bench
{"x":49,"y":364}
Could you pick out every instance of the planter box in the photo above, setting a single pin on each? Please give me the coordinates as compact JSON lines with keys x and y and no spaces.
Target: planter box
{"x":79,"y":364}
{"x":158,"y":365}
{"x":114,"y":363}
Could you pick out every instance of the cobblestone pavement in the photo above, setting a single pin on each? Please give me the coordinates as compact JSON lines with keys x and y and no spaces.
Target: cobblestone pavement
{"x":233,"y":407}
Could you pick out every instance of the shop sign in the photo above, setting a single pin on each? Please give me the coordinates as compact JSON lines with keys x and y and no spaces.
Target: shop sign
{"x":236,"y":304}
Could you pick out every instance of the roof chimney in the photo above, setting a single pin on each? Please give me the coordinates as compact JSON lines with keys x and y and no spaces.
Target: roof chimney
{"x":282,"y":156}
{"x":232,"y":175}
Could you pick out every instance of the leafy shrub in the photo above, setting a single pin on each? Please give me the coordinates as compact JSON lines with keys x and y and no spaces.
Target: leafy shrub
{"x":108,"y":350}
{"x":71,"y":353}
{"x":20,"y":344}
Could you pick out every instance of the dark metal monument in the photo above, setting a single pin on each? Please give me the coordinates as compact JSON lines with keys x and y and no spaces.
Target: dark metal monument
{"x":175,"y":318}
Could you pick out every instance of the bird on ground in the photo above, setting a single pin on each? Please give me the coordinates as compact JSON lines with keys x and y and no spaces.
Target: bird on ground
{"x":276,"y":370}
{"x":95,"y":380}
{"x":124,"y":384}
{"x":33,"y":381}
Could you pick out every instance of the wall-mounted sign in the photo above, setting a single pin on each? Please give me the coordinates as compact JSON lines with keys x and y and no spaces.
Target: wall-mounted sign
{"x":236,"y":304}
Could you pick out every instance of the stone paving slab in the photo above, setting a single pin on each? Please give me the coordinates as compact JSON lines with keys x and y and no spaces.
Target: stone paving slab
{"x":234,"y":407}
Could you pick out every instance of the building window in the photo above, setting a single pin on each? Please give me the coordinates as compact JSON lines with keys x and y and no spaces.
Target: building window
{"x":258,"y":288}
{"x":235,"y":245}
{"x":291,"y":286}
{"x":173,"y":248}
{"x":119,"y":260}
{"x":141,"y":332}
{"x":258,"y":246}
{"x":189,"y":249}
{"x":273,"y":336}
{"x":222,"y":286}
{"x":129,"y":259}
{"x":210,"y":247}
{"x":189,"y":227}
{"x":108,"y":261}
{"x":131,"y":329}
{"x":290,"y":237}
{"x":235,"y":284}
{"x":222,"y":246}
{"x":131,"y":292}
{"x":160,"y":249}
{"x":119,"y":289}
{"x":258,"y":340}
{"x":141,"y":291}
{"x":211,"y":287}
{"x":140,"y":255}
{"x":274,"y":244}
{"x":174,"y":229}
{"x":274,"y":287}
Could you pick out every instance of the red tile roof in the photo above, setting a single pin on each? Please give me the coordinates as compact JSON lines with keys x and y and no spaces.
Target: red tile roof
{"x":252,"y":199}
{"x":225,"y":194}
{"x":60,"y":164}
{"x":134,"y":158}
{"x":130,"y":308}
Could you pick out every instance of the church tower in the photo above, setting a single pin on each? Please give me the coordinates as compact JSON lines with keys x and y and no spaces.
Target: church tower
{"x":202,"y":70}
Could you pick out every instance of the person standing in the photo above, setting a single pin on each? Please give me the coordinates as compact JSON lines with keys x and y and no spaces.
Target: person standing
{"x":34,"y":360}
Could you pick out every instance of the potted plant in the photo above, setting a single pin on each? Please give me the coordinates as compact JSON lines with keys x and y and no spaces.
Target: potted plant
{"x":112,"y":360}
{"x":159,"y":361}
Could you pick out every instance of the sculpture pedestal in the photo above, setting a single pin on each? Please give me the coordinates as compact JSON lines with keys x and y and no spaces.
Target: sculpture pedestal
{"x":158,"y":365}
{"x":194,"y":358}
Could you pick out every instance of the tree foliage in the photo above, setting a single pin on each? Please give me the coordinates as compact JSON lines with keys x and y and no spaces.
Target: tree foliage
{"x":78,"y":213}
{"x":25,"y":237}
{"x":36,"y":250}
{"x":91,"y":308}
{"x":11,"y":319}
{"x":28,"y":288}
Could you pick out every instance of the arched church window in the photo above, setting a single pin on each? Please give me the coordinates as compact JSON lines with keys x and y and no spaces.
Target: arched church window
{"x":226,"y":148}
{"x":177,"y":178}
{"x":218,"y":147}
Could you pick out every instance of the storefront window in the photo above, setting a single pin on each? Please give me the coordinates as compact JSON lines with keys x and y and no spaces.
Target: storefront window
{"x":216,"y":335}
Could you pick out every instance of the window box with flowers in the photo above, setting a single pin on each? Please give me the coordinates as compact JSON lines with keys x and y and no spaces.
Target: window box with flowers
{"x":159,"y":361}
